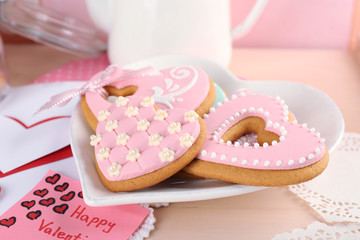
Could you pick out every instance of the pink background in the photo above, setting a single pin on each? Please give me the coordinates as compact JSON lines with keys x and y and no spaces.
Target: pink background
{"x":284,"y":23}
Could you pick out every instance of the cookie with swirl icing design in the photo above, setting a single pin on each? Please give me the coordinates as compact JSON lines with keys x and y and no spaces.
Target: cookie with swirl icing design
{"x":286,"y":152}
{"x":138,"y":145}
{"x":177,"y":87}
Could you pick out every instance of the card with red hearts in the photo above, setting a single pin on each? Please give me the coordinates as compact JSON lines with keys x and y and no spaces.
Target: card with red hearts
{"x":55,"y":209}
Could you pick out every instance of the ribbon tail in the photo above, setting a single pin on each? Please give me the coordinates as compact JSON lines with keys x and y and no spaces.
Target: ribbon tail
{"x":58,"y":100}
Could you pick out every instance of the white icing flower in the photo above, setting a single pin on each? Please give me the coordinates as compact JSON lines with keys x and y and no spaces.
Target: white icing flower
{"x":191,"y":116}
{"x":103,"y":153}
{"x":133,"y":155}
{"x":147,"y":102}
{"x":174,"y":127}
{"x":166,"y":155}
{"x":143,"y":125}
{"x":186,"y":140}
{"x":95,"y":139}
{"x":103,"y":114}
{"x":122,"y":139}
{"x":114,"y":170}
{"x":111,"y":125}
{"x":132,"y":111}
{"x":121,"y":101}
{"x":155,"y":139}
{"x":160,"y":115}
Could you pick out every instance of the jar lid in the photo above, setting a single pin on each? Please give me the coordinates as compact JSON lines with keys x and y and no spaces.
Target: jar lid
{"x":52,"y":28}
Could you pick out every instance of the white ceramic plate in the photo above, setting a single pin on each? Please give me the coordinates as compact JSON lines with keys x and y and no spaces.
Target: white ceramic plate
{"x":309,"y":105}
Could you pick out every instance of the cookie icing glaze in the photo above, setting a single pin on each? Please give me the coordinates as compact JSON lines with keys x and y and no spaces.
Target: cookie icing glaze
{"x":140,"y":143}
{"x":177,"y":87}
{"x":298,"y":146}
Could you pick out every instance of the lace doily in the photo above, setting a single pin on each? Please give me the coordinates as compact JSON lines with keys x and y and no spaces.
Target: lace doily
{"x":318,"y":230}
{"x":146,"y":227}
{"x":335,"y":194}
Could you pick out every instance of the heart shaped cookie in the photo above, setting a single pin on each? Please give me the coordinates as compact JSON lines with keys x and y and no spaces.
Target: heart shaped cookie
{"x":286,"y":152}
{"x":138,"y":145}
{"x":186,"y":87}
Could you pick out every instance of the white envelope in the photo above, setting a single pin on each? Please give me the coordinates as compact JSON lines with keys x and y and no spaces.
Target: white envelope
{"x":25,"y":136}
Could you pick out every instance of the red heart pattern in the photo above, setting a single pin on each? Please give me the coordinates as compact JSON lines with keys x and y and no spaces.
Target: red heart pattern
{"x":34,"y":215}
{"x":80,"y":195}
{"x":47,"y":202}
{"x":8,"y":222}
{"x":28,"y":204}
{"x":68,"y":197}
{"x":61,"y":188}
{"x":53,"y":179}
{"x":61,"y":209}
{"x":41,"y":193}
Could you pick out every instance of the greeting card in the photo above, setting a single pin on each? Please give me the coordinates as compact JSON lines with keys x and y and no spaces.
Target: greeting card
{"x":54,"y":209}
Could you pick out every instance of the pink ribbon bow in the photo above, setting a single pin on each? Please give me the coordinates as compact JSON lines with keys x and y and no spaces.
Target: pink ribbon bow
{"x":111,"y":74}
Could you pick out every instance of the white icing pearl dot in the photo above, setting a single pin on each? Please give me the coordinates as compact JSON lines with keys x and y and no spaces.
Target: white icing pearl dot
{"x":226,"y":122}
{"x":186,"y":140}
{"x":111,"y":125}
{"x":269,"y":123}
{"x":304,"y":125}
{"x":221,"y":141}
{"x":103,"y":114}
{"x":243,"y":111}
{"x":212,"y":109}
{"x":266,"y":114}
{"x":174,"y":127}
{"x":122,"y":139}
{"x":132,"y":111}
{"x":143,"y":125}
{"x":147,"y":102}
{"x":278,"y":163}
{"x":244,"y":162}
{"x":251,"y":109}
{"x":205,"y":116}
{"x":133,"y":155}
{"x":114,"y":169}
{"x":160,"y":115}
{"x":256,"y":145}
{"x":256,"y":162}
{"x":121,"y":101}
{"x":312,"y":130}
{"x":231,"y":118}
{"x":237,"y":144}
{"x":265,"y":144}
{"x":291,"y":162}
{"x":276,"y":125}
{"x":260,"y":110}
{"x":317,"y":150}
{"x":155,"y":139}
{"x":274,"y":143}
{"x":228,"y":143}
{"x":166,"y":155}
{"x":311,"y":156}
{"x":242,"y":94}
{"x":322,"y":140}
{"x":191,"y":116}
{"x":302,"y":160}
{"x":219,"y":104}
{"x":233,"y":96}
{"x":237,"y":114}
{"x":213,"y":155}
{"x":223,"y":157}
{"x":103,"y":153}
{"x":203,"y":152}
{"x":95,"y":139}
{"x":234,"y":159}
{"x":246,"y":144}
{"x":282,"y":138}
{"x":267,"y":163}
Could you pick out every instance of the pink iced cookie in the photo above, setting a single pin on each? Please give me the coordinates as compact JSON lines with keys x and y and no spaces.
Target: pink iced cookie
{"x":177,"y":87}
{"x":138,"y":145}
{"x":286,"y":152}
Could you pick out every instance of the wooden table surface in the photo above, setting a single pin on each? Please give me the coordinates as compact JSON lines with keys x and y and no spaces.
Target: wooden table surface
{"x":257,"y":215}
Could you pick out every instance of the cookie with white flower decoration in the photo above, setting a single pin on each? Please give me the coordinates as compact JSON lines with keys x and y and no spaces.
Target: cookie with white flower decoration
{"x":285,"y":152}
{"x":138,"y":145}
{"x":186,"y":87}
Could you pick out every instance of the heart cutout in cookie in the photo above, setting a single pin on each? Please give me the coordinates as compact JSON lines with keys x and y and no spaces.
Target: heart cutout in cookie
{"x":281,"y":160}
{"x":138,"y":145}
{"x":8,"y":222}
